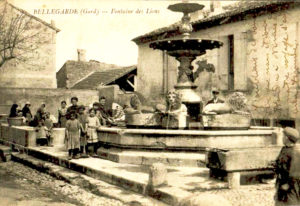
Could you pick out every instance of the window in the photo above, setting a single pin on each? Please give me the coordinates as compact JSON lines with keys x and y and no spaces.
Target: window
{"x":231,"y":62}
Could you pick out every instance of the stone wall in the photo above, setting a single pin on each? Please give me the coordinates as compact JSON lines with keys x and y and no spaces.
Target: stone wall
{"x":114,"y":94}
{"x":73,"y":71}
{"x":150,"y":72}
{"x":52,"y":97}
{"x":61,"y":77}
{"x":33,"y":69}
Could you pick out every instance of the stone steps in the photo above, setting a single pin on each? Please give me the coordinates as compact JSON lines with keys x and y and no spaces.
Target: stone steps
{"x":146,"y":157}
{"x":134,"y":178}
{"x":92,"y":185}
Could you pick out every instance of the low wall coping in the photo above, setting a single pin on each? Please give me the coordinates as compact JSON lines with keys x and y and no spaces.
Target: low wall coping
{"x":26,"y":128}
{"x":185,"y":132}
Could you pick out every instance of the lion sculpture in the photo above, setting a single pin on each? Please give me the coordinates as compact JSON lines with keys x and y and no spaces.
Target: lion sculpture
{"x":236,"y":104}
{"x":174,"y":112}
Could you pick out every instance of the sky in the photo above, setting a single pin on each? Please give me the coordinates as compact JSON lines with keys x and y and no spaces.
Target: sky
{"x":100,"y":28}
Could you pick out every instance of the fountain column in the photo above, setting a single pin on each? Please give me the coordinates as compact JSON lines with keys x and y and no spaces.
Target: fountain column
{"x":186,"y":50}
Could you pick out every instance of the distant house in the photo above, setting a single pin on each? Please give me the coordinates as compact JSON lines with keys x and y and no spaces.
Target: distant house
{"x":33,"y":41}
{"x":93,"y":74}
{"x":260,"y":57}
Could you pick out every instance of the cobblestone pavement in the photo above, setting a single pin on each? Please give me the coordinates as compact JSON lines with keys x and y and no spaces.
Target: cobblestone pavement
{"x":21,"y":185}
{"x":249,"y":195}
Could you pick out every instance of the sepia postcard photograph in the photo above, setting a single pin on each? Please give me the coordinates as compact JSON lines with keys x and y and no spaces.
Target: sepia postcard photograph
{"x":149,"y":102}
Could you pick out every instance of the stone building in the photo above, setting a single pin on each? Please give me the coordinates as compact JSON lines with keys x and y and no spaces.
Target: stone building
{"x":82,"y":74}
{"x":34,"y":60}
{"x":260,"y":57}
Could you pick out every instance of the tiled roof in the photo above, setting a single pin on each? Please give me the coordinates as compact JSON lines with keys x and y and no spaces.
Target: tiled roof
{"x":237,"y":12}
{"x":106,"y":77}
{"x":34,"y":17}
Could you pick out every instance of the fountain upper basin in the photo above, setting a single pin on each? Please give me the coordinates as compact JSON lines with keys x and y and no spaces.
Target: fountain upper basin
{"x":186,"y":7}
{"x":187,"y":47}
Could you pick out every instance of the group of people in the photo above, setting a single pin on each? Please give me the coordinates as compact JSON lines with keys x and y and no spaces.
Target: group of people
{"x":80,"y":128}
{"x":81,"y":124}
{"x":43,"y":121}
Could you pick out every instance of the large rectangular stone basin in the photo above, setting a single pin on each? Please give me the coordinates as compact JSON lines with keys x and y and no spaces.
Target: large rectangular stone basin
{"x":26,"y":135}
{"x":186,"y":139}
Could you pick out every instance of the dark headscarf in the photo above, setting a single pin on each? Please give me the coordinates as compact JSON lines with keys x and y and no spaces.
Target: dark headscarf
{"x":26,"y":110}
{"x":13,"y":111}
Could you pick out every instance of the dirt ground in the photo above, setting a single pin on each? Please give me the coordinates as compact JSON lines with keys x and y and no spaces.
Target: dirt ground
{"x":23,"y":186}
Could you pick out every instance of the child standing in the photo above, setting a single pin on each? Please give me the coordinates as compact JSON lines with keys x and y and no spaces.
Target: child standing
{"x":49,"y":125}
{"x":83,"y":119}
{"x":73,"y":127}
{"x":93,"y":124}
{"x":41,"y":136}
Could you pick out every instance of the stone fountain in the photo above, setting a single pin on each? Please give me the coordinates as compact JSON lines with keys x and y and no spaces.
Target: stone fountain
{"x":186,"y":50}
{"x":180,"y":147}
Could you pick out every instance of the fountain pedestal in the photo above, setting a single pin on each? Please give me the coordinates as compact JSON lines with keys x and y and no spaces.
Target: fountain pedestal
{"x":186,"y":50}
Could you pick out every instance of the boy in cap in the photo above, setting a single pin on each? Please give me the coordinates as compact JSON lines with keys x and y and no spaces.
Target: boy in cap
{"x":215,"y":98}
{"x":287,"y":169}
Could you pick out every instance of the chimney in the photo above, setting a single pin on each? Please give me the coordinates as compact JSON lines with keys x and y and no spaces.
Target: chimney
{"x":212,"y":6}
{"x":215,"y":5}
{"x":81,"y":55}
{"x":53,"y":23}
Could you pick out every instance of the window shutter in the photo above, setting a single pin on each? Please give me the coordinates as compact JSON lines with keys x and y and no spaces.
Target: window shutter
{"x":240,"y":61}
{"x":223,"y":63}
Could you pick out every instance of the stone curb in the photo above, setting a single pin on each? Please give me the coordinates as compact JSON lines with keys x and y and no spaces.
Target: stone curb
{"x":127,"y":184}
{"x":90,"y":184}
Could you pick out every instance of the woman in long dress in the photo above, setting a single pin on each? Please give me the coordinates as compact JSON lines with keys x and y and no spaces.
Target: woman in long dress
{"x":62,"y":112}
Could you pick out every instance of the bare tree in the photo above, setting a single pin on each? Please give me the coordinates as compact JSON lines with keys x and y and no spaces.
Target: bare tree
{"x":20,"y":35}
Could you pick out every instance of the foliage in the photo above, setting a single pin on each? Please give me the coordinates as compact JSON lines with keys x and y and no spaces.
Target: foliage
{"x":20,"y":35}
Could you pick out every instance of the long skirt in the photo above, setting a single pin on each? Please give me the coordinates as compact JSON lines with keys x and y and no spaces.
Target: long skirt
{"x":73,"y":140}
{"x":92,"y":135}
{"x":62,"y":121}
{"x":83,"y":140}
